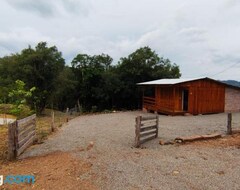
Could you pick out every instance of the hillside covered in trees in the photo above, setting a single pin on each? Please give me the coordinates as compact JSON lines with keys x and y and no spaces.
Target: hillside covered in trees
{"x":90,"y":82}
{"x":232,"y":82}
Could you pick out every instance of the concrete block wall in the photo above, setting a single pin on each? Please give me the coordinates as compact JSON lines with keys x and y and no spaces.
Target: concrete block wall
{"x":232,"y":99}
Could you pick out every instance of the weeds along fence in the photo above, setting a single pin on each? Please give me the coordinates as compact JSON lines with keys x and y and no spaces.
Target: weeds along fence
{"x":21,"y":135}
{"x":3,"y":142}
{"x":146,"y":129}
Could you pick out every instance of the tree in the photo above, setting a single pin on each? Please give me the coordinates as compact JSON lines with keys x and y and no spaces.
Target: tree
{"x":142,"y":65}
{"x":19,"y":94}
{"x":92,"y":82}
{"x":64,"y":95}
{"x":40,"y":67}
{"x":18,"y":97}
{"x":89,"y":72}
{"x":8,"y":69}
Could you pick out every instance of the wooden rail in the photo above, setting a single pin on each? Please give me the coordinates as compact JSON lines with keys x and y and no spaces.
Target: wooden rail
{"x":146,"y":129}
{"x":149,"y":101}
{"x":21,"y":135}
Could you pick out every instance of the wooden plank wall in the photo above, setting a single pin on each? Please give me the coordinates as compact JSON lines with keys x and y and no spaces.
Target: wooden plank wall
{"x":164,"y":98}
{"x":21,"y":135}
{"x":146,"y":129}
{"x":205,"y":96}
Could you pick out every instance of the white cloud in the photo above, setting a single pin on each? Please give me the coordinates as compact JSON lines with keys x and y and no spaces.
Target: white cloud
{"x":50,"y":8}
{"x":200,"y":36}
{"x":19,"y":38}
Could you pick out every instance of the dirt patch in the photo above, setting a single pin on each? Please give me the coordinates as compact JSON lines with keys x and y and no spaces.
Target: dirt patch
{"x":106,"y":141}
{"x":227,"y":141}
{"x":54,"y":171}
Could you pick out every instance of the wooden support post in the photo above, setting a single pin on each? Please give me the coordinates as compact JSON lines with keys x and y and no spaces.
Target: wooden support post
{"x":229,"y":124}
{"x":137,"y":131}
{"x":52,"y":124}
{"x":173,"y":101}
{"x":11,"y":141}
{"x":157,"y":123}
{"x":67,"y":114}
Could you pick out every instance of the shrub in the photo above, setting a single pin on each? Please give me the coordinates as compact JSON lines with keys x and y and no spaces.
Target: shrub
{"x":20,"y":111}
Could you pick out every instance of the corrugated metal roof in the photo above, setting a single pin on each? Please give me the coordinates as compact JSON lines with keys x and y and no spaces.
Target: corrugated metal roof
{"x":168,"y":81}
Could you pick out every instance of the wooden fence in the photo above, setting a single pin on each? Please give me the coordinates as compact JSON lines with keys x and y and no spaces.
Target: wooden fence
{"x":21,"y":135}
{"x":146,"y":129}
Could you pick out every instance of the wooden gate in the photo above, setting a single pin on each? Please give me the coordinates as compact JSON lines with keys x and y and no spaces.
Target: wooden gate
{"x":146,"y":129}
{"x":21,"y":135}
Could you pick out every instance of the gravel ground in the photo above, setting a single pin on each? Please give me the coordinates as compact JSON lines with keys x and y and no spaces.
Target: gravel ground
{"x":120,"y":166}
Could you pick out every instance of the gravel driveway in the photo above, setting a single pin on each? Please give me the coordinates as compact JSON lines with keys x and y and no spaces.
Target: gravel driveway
{"x":117,"y":165}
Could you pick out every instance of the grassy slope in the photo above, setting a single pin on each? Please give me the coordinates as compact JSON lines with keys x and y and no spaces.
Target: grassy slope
{"x":43,"y":129}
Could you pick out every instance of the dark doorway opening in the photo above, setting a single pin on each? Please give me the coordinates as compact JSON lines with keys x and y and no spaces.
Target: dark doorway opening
{"x":185,"y":100}
{"x":149,"y":92}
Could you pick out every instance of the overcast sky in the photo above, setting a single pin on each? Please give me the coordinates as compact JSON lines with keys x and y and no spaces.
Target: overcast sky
{"x":201,"y":36}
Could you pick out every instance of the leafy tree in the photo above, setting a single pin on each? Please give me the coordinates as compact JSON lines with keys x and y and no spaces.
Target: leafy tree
{"x":142,"y":65}
{"x":89,"y":72}
{"x":64,"y":95}
{"x":19,"y":94}
{"x":8,"y":66}
{"x":92,"y":82}
{"x":40,"y":67}
{"x":18,"y":97}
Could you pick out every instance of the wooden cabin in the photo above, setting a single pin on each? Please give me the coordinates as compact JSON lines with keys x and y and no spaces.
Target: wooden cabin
{"x":193,"y":96}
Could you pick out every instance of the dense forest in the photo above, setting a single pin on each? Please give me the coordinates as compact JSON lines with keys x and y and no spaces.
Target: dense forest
{"x":40,"y":77}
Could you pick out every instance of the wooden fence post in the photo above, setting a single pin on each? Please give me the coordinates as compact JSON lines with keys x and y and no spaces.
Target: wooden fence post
{"x":67,"y":113}
{"x":137,"y":131}
{"x":11,"y":140}
{"x":52,"y":124}
{"x":229,"y":124}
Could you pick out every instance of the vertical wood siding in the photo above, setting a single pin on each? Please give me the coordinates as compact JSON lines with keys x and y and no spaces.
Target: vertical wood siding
{"x":205,"y":96}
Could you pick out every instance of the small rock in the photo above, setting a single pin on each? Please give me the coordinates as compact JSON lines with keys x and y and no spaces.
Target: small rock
{"x":221,"y":172}
{"x":161,"y":142}
{"x":178,"y":141}
{"x":90,"y":146}
{"x":175,"y":172}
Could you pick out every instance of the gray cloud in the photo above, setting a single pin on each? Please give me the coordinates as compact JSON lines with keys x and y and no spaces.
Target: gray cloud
{"x":50,"y":8}
{"x":200,"y":36}
{"x":41,"y":7}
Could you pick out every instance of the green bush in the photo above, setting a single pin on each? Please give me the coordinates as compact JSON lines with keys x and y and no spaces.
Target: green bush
{"x":94,"y":109}
{"x":5,"y":108}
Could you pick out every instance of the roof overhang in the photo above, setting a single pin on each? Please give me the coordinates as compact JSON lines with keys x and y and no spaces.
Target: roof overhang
{"x":169,"y":82}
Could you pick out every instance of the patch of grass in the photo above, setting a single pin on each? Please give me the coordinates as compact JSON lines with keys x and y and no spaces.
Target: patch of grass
{"x":11,"y":109}
{"x":43,"y":129}
{"x":44,"y":123}
{"x":3,"y":142}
